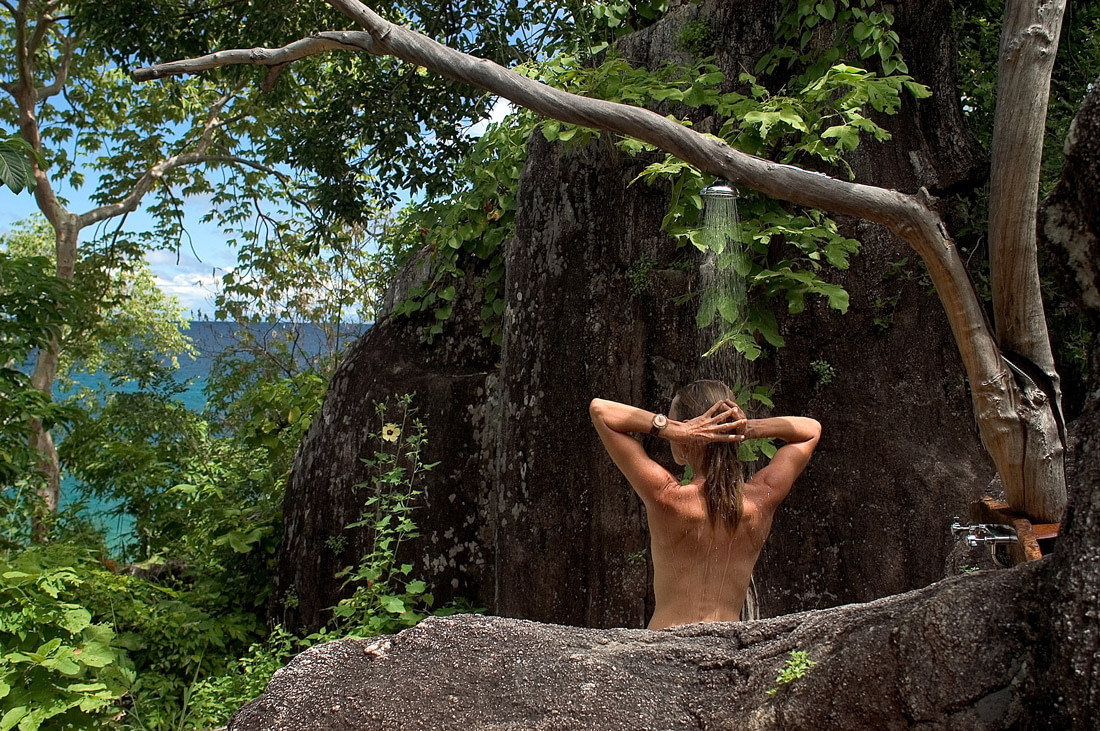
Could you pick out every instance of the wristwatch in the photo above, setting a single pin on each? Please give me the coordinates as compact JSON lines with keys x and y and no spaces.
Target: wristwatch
{"x":660,"y":421}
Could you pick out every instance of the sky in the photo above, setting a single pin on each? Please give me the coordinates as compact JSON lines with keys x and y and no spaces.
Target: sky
{"x":191,"y":274}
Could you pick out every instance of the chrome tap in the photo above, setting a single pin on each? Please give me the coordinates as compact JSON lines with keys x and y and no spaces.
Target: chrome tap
{"x":984,"y":533}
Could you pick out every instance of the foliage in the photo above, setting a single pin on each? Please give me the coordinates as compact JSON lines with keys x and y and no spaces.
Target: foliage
{"x":788,"y":248}
{"x":360,"y":128}
{"x":640,"y":273}
{"x":115,"y":323}
{"x":386,"y":599}
{"x":797,"y":665}
{"x":746,"y":395}
{"x":60,"y":667}
{"x":697,"y":38}
{"x":823,"y":372}
{"x":214,"y":698}
{"x":16,"y":171}
{"x":855,"y":28}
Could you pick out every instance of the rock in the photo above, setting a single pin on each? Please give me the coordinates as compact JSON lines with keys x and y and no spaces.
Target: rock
{"x":542,"y":525}
{"x":908,"y":659}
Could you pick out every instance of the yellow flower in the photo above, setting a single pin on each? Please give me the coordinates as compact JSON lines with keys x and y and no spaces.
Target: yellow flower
{"x":390,"y":432}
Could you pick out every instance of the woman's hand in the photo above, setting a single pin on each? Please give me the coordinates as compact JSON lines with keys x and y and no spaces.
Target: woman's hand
{"x":723,"y":422}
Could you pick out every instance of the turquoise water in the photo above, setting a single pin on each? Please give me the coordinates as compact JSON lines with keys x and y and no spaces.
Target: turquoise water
{"x":210,"y":339}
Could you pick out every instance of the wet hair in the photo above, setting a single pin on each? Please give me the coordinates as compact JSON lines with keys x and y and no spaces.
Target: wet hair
{"x":724,"y":474}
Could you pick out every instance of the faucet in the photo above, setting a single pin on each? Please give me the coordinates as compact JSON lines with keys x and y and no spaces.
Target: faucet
{"x":984,"y":533}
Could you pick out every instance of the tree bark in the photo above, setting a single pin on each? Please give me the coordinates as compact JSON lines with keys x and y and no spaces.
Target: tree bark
{"x":1010,"y":416}
{"x":45,"y":373}
{"x":1029,"y":41}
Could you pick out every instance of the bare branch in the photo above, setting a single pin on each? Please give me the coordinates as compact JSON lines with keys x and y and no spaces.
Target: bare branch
{"x":317,"y":43}
{"x":9,"y":6}
{"x":272,"y":76}
{"x":62,"y":75}
{"x":45,"y":20}
{"x":911,"y":217}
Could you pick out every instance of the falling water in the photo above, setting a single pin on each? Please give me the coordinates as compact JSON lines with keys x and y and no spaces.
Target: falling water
{"x":722,"y":307}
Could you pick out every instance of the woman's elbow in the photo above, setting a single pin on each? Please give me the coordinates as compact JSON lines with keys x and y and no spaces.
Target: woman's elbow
{"x":596,"y":408}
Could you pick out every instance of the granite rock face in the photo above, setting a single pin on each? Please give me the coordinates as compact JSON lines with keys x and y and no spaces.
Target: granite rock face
{"x":904,"y":660}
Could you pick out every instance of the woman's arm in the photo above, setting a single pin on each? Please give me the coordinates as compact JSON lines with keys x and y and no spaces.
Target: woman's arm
{"x":800,"y":434}
{"x":791,"y":429}
{"x":615,"y":422}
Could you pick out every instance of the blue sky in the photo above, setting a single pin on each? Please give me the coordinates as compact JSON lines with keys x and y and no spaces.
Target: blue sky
{"x":191,"y":279}
{"x":191,"y":276}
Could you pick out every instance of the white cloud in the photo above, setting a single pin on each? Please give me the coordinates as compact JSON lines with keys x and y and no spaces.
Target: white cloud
{"x":501,"y":109}
{"x":194,"y":290}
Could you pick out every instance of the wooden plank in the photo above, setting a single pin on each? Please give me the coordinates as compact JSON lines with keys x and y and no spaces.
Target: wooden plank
{"x":988,"y":510}
{"x":1026,"y":548}
{"x":1044,"y":531}
{"x":1027,"y":542}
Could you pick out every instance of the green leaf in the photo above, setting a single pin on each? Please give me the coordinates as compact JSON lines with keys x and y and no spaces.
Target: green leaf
{"x":15,"y":170}
{"x":86,"y":687}
{"x":12,"y":717}
{"x":415,"y":587}
{"x":838,"y":297}
{"x":847,"y":137}
{"x":393,"y":604}
{"x":919,"y":91}
{"x":96,"y":655}
{"x":788,"y":115}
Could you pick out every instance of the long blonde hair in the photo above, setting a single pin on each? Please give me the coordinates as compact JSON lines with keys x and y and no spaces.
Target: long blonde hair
{"x":724,"y":475}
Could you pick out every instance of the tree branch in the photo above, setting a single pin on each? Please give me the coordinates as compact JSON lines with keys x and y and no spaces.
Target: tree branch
{"x":45,"y":20}
{"x":911,"y":217}
{"x":317,"y":43}
{"x":62,"y":75}
{"x":146,"y":182}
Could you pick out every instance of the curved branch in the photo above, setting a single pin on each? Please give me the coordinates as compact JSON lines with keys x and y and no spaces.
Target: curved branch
{"x":62,"y":75}
{"x":146,"y":182}
{"x":909,"y":216}
{"x":311,"y":46}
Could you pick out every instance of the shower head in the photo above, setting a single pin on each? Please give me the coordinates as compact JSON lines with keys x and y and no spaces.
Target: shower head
{"x":718,"y":189}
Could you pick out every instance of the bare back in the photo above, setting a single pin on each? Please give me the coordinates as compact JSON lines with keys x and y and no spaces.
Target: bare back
{"x":702,"y":568}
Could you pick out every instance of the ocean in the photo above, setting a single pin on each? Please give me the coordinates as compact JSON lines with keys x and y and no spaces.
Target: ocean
{"x":210,"y":339}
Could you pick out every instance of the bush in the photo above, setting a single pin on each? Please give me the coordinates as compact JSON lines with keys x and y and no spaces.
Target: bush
{"x":57,"y":663}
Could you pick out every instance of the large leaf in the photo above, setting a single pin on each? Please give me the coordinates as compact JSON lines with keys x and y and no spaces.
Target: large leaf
{"x":15,"y":169}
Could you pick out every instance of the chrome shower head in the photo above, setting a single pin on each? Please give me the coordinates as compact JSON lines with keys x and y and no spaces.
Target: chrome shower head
{"x":718,"y":189}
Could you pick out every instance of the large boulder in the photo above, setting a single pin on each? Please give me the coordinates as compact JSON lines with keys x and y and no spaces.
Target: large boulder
{"x":909,"y":659}
{"x":528,"y":517}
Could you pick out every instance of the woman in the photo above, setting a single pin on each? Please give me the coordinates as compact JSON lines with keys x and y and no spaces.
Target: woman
{"x":705,"y":536}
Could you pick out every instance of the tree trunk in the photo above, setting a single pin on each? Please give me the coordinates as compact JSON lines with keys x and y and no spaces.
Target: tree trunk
{"x":1033,"y":474}
{"x":45,"y":372}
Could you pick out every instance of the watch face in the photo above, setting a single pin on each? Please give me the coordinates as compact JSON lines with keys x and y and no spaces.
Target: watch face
{"x":660,"y":421}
